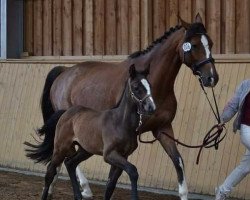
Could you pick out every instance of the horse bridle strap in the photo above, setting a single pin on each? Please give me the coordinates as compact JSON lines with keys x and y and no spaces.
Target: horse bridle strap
{"x":195,"y":67}
{"x":135,"y":98}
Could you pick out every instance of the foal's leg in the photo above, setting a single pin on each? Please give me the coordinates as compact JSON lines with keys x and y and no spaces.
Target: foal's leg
{"x":114,"y":158}
{"x":114,"y":174}
{"x":50,"y":174}
{"x":51,"y":187}
{"x":71,"y":164}
{"x":86,"y":193}
{"x":171,"y":149}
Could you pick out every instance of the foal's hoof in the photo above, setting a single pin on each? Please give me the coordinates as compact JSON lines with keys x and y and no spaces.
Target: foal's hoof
{"x":50,"y":196}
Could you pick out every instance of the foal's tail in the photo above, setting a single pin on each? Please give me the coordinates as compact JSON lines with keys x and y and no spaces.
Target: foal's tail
{"x":46,"y":105}
{"x":42,"y":152}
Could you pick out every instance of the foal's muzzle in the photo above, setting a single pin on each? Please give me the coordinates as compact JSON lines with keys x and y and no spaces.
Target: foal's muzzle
{"x":147,"y":107}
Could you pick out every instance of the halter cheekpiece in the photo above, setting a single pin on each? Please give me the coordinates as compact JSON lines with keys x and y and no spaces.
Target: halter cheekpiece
{"x":187,"y":47}
{"x":140,"y":101}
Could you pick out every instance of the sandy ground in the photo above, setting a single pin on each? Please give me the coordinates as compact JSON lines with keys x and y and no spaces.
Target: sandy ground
{"x":24,"y":187}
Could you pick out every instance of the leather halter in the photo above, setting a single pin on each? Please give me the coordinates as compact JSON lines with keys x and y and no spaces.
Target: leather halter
{"x":187,"y":47}
{"x":136,"y":99}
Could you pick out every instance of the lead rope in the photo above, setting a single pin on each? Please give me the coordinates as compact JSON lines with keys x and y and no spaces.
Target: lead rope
{"x":209,"y":138}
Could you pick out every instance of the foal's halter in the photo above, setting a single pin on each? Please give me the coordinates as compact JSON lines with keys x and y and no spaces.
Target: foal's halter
{"x":187,"y":47}
{"x":139,"y":101}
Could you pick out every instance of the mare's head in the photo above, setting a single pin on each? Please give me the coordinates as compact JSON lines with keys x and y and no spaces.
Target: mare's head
{"x":140,"y":90}
{"x":195,"y":51}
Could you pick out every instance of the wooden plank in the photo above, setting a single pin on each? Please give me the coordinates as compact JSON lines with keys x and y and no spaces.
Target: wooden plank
{"x":213,"y":23}
{"x":122,"y":27}
{"x":200,"y":7}
{"x":28,"y":27}
{"x":38,"y":26}
{"x":159,"y":18}
{"x":173,"y":13}
{"x":110,"y":33}
{"x":185,"y":10}
{"x":243,"y":26}
{"x":134,"y":28}
{"x":99,"y":27}
{"x":77,"y":39}
{"x":144,"y":23}
{"x":57,"y":28}
{"x":66,"y":28}
{"x":47,"y":27}
{"x":230,"y":26}
{"x":88,"y":28}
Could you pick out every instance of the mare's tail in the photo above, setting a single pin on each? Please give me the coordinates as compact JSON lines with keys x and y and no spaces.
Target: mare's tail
{"x":42,"y":152}
{"x":46,"y":105}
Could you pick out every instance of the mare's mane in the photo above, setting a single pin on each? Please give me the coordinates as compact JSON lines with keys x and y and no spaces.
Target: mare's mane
{"x":195,"y":28}
{"x":157,"y":41}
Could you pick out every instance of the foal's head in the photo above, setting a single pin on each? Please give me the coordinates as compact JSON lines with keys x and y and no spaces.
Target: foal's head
{"x":140,"y":90}
{"x":195,"y":51}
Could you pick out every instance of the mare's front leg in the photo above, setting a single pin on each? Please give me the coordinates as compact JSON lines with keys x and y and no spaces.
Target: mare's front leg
{"x":171,"y":149}
{"x":114,"y":174}
{"x":114,"y":158}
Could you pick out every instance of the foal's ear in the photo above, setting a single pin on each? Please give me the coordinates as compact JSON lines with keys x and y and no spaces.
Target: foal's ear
{"x":198,"y":18}
{"x":146,"y":71}
{"x":132,"y":71}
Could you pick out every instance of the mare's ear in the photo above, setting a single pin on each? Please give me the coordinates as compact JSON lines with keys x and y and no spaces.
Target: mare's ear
{"x":198,"y":18}
{"x":132,"y":71}
{"x":146,"y":71}
{"x":183,"y":23}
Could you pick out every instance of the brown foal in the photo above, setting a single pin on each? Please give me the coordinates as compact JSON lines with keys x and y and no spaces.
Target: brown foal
{"x":110,"y":133}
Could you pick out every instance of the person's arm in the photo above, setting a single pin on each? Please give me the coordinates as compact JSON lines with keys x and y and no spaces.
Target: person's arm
{"x":232,"y":106}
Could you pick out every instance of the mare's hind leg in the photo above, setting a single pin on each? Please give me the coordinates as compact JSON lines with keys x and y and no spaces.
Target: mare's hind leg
{"x":50,"y":174}
{"x":114,"y":158}
{"x":171,"y":149}
{"x":86,"y":193}
{"x":71,"y":164}
{"x":114,"y":174}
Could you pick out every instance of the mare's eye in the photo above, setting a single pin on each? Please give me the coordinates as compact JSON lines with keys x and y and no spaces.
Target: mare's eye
{"x":194,"y":46}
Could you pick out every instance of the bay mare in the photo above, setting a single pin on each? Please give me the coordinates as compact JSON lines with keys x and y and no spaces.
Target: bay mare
{"x":89,"y":83}
{"x":111,"y":133}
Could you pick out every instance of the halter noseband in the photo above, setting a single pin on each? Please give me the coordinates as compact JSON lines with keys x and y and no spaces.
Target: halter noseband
{"x":136,"y":99}
{"x":187,"y":47}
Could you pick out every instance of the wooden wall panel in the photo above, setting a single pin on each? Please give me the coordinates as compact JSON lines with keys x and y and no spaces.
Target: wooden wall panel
{"x":57,"y":28}
{"x":88,"y":28}
{"x":38,"y":28}
{"x":47,"y":27}
{"x":99,"y":33}
{"x":20,"y":90}
{"x":134,"y":28}
{"x":77,"y":39}
{"x":120,"y":27}
{"x":67,"y":27}
{"x":110,"y":24}
{"x":28,"y":27}
{"x":243,"y":26}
